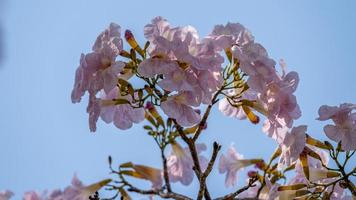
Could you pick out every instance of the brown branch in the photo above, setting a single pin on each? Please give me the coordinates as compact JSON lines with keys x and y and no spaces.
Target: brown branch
{"x":349,"y":184}
{"x":206,"y":173}
{"x":168,"y":195}
{"x":196,"y":165}
{"x":206,"y":114}
{"x":202,"y":122}
{"x":165,"y":171}
{"x":232,"y":196}
{"x":158,"y":192}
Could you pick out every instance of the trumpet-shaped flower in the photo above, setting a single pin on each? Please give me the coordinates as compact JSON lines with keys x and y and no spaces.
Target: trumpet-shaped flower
{"x":180,"y":163}
{"x":231,"y":163}
{"x":280,"y":105}
{"x":292,"y":145}
{"x":227,"y":109}
{"x":312,"y":163}
{"x":317,"y":174}
{"x":76,"y":191}
{"x":344,"y":129}
{"x":122,"y":115}
{"x":98,"y":70}
{"x":179,"y":107}
{"x":151,"y":174}
{"x":229,"y":35}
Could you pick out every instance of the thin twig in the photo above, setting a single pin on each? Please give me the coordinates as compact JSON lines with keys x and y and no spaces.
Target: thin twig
{"x":165,"y":171}
{"x":216,"y":149}
{"x":232,"y":196}
{"x":196,"y":168}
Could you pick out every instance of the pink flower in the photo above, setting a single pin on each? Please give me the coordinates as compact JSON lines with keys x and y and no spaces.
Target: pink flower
{"x":32,"y":195}
{"x":274,"y":93}
{"x":76,"y":191}
{"x":292,"y":146}
{"x":299,"y":176}
{"x":339,"y":193}
{"x":180,"y":163}
{"x":230,"y":164}
{"x":175,"y":77}
{"x":123,"y":115}
{"x":178,"y":107}
{"x":6,"y":195}
{"x":345,"y":124}
{"x":179,"y":80}
{"x":98,"y":70}
{"x":227,"y":109}
{"x":209,"y":82}
{"x":229,"y":35}
{"x":156,"y":66}
{"x":93,"y":110}
{"x":199,"y":68}
{"x":280,"y":105}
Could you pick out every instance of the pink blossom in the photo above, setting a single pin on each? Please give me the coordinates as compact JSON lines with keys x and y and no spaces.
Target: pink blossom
{"x":32,"y":195}
{"x":93,"y":110}
{"x":345,"y":124}
{"x":179,"y":107}
{"x":200,"y":62}
{"x":156,"y":66}
{"x":6,"y":195}
{"x":76,"y":191}
{"x":123,"y":115}
{"x":280,"y":105}
{"x":209,"y":82}
{"x":299,"y":176}
{"x":98,"y":70}
{"x":229,"y":35}
{"x":180,"y":163}
{"x":292,"y":145}
{"x":339,"y":193}
{"x":230,"y":164}
{"x":231,"y":111}
{"x":179,"y":80}
{"x":274,"y":92}
{"x":175,"y":77}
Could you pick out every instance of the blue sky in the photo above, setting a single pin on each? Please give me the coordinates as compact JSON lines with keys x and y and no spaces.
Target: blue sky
{"x":44,"y":138}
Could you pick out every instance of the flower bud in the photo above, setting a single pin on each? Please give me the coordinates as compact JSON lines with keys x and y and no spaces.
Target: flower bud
{"x":132,"y":42}
{"x":250,"y":115}
{"x":252,"y":174}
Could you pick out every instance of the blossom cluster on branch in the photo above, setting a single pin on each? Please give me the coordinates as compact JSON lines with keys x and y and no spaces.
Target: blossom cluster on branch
{"x":168,"y":82}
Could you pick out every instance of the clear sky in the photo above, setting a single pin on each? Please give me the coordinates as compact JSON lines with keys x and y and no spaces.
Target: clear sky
{"x":45,"y":139}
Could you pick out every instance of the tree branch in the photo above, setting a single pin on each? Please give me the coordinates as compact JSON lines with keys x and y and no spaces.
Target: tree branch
{"x":232,"y":196}
{"x":165,"y":171}
{"x":196,"y":168}
{"x":206,"y":173}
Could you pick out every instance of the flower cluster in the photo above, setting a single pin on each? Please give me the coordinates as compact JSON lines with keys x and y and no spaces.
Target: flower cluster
{"x":168,"y":82}
{"x":344,"y":128}
{"x":180,"y":73}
